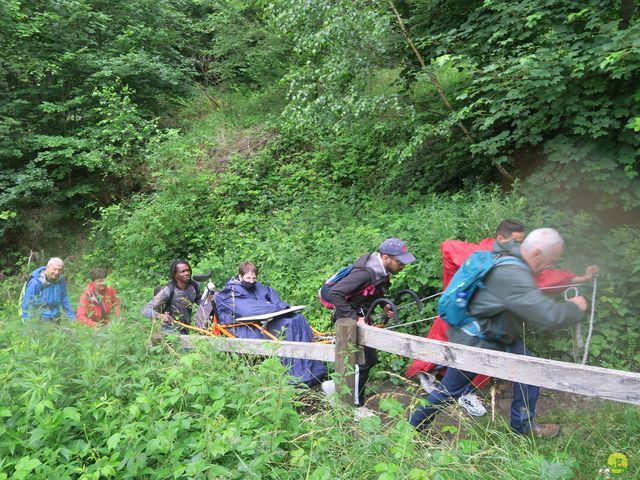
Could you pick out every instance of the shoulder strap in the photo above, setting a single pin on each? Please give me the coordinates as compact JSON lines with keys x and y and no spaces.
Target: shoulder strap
{"x":101,"y":305}
{"x":167,"y":305}
{"x":171,"y":286}
{"x":24,"y":288}
{"x":370,"y":271}
{"x":196,"y":286}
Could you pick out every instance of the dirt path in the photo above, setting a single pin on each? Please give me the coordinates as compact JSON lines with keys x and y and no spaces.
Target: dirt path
{"x":550,"y":401}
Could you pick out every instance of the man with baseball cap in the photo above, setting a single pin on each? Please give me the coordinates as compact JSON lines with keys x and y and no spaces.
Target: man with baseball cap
{"x":353,"y":294}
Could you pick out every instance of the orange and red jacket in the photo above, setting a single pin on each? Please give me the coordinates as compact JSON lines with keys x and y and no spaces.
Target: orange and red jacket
{"x":95,"y":309}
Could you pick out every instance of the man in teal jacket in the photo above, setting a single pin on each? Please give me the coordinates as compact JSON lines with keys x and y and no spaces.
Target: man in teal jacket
{"x":509,"y":299}
{"x":46,"y":293}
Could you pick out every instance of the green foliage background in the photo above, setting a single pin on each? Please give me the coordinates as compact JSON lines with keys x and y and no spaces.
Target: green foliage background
{"x":297,"y":135}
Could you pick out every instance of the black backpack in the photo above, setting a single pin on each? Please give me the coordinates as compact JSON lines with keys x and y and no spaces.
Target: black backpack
{"x":167,"y":305}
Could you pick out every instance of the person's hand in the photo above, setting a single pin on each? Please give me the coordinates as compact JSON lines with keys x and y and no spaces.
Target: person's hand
{"x":580,"y":302}
{"x":591,"y":271}
{"x":360,"y":321}
{"x":388,"y":311}
{"x":164,"y":317}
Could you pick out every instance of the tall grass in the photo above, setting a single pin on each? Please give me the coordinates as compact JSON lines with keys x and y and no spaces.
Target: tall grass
{"x":86,"y":404}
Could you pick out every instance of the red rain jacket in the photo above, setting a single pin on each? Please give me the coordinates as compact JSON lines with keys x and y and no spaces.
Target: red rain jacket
{"x":95,"y":310}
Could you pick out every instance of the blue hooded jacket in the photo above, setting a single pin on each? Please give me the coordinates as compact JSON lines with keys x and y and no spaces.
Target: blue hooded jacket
{"x":45,"y":298}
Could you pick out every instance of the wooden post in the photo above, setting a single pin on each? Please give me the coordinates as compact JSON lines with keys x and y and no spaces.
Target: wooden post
{"x":345,"y":360}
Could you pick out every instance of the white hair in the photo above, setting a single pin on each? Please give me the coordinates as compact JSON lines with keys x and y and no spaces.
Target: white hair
{"x":55,"y":261}
{"x":543,"y":239}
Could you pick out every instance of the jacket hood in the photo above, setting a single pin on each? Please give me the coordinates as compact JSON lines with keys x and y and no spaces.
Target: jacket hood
{"x":38,"y":272}
{"x":507,"y":248}
{"x":39,"y":275}
{"x":372,"y":262}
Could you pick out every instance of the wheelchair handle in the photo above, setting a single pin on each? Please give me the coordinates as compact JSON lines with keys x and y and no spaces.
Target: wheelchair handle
{"x":410,"y":293}
{"x":381,"y":301}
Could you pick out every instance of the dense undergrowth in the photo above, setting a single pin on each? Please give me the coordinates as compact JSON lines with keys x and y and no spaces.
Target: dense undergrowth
{"x":226,"y":191}
{"x":76,"y":403}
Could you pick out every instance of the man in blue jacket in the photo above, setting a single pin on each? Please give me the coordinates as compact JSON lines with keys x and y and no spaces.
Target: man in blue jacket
{"x":45,"y":293}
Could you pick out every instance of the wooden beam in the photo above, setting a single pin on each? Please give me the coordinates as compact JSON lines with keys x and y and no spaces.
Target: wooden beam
{"x":345,"y":358}
{"x":616,"y":385}
{"x":309,"y":351}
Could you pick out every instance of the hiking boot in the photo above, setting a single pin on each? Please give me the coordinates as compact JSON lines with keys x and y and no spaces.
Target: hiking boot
{"x":545,"y":430}
{"x":363,"y":412}
{"x":427,"y":381}
{"x":472,"y":404}
{"x":328,"y":387}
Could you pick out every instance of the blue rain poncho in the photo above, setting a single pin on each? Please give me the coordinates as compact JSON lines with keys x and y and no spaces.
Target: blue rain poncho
{"x":236,"y":301}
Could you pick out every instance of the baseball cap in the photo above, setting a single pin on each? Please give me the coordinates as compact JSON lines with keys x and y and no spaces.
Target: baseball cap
{"x":397,"y":249}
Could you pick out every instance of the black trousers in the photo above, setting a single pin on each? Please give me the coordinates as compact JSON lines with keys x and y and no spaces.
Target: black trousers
{"x":362,"y":372}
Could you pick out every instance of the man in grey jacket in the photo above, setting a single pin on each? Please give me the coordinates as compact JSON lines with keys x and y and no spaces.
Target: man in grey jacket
{"x":175,"y":300}
{"x":368,"y":281}
{"x":509,"y":299}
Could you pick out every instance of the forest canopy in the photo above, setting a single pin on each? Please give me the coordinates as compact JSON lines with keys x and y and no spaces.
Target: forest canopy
{"x":458,"y":94}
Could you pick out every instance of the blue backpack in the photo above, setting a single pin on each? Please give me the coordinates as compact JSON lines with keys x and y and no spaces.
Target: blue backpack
{"x":452,"y":306}
{"x":335,"y":278}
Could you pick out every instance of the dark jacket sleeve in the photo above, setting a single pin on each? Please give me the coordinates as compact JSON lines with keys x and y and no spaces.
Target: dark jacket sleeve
{"x":160,"y":298}
{"x":352,"y":283}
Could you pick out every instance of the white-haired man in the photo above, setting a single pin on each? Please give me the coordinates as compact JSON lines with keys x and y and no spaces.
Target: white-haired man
{"x":509,"y":299}
{"x":45,"y":294}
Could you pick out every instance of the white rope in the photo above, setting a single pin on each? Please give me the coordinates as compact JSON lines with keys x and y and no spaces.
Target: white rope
{"x":432,"y":296}
{"x":410,"y":323}
{"x":579,"y":340}
{"x":378,"y":316}
{"x":557,"y":287}
{"x":591,"y":320}
{"x":410,"y":304}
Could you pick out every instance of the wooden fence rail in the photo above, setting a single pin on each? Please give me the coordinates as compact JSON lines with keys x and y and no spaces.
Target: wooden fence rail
{"x":616,"y":385}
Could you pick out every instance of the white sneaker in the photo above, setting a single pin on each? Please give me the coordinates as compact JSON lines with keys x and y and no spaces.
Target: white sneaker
{"x":472,"y":404}
{"x":427,"y":381}
{"x":328,"y":387}
{"x":363,"y":412}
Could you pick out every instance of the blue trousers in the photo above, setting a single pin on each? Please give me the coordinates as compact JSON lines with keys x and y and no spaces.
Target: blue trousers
{"x":456,"y":382}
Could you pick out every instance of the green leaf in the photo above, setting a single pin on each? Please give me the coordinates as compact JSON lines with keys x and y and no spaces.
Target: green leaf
{"x":113,"y":441}
{"x":71,"y":413}
{"x":25,"y":466}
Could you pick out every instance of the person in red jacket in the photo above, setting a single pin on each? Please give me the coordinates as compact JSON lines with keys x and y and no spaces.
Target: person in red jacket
{"x":98,"y":302}
{"x":454,"y":254}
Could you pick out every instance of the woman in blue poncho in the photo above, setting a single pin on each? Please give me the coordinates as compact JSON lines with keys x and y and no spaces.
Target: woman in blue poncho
{"x":244,"y":296}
